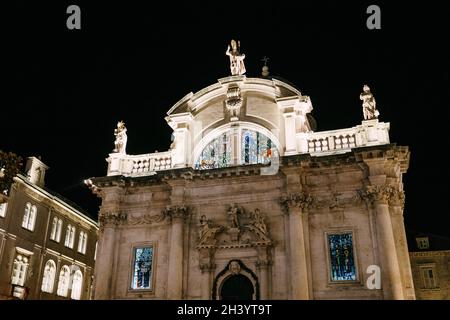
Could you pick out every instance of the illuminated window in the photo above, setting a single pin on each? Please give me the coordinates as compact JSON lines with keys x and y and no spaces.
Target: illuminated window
{"x":77,"y":284}
{"x":142,"y":268}
{"x":29,"y":217}
{"x":20,"y":269}
{"x":254,"y":148}
{"x":70,"y":236}
{"x":63,"y":282}
{"x":48,"y":279}
{"x":341,"y":256}
{"x":82,"y":242}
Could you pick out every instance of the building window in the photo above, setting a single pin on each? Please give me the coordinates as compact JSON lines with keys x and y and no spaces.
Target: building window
{"x":70,"y":236}
{"x":3,"y":207}
{"x":254,"y":147}
{"x":48,"y":279}
{"x":428,"y":277}
{"x":82,"y":242}
{"x":29,"y":217}
{"x":217,"y":154}
{"x":142,"y":268}
{"x":20,"y":269}
{"x":77,"y":284}
{"x":58,"y":230}
{"x":54,"y":226}
{"x":341,"y":256}
{"x":422,"y":243}
{"x":63,"y":282}
{"x":95,"y":253}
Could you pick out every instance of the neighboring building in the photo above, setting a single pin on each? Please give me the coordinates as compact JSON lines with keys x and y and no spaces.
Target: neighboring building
{"x":430,"y":263}
{"x":250,"y":203}
{"x":47,"y":246}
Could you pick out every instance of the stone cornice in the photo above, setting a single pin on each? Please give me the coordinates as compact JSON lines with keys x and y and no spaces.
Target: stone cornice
{"x":108,"y":218}
{"x":437,"y":253}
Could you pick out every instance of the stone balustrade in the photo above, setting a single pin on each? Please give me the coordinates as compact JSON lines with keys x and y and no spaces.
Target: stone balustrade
{"x":369,"y":133}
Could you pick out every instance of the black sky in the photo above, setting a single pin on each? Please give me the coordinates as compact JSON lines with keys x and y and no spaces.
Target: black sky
{"x":68,"y":88}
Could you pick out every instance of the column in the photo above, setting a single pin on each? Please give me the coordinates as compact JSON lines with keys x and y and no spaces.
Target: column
{"x":206,"y":270}
{"x":263,"y":267}
{"x":390,"y":271}
{"x":175,"y":280}
{"x":104,"y":263}
{"x":295,"y":204}
{"x":396,"y":204}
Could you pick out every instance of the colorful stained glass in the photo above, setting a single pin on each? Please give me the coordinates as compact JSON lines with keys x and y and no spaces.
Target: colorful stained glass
{"x":256,"y":147}
{"x":341,"y":257}
{"x":217,"y":154}
{"x":142,"y":268}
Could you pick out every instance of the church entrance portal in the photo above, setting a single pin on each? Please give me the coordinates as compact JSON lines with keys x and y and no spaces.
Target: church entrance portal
{"x":237,"y":287}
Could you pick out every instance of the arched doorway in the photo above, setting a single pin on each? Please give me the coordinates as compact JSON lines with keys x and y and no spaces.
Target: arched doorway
{"x":237,"y":287}
{"x":235,"y":282}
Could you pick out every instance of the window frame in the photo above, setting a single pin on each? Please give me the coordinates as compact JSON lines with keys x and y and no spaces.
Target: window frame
{"x":3,"y":209}
{"x":80,"y":289}
{"x":428,"y":266}
{"x":52,"y":287}
{"x":358,"y":278}
{"x":133,"y":247}
{"x":59,"y":281}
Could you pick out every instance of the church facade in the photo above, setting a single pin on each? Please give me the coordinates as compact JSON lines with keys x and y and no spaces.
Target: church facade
{"x":251,"y":203}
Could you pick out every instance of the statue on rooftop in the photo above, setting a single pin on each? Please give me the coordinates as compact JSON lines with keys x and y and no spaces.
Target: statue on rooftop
{"x":120,"y":133}
{"x":369,"y":105}
{"x":237,"y":66}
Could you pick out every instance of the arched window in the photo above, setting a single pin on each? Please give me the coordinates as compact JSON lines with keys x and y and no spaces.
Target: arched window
{"x":48,"y":279}
{"x":67,"y":239}
{"x":29,"y":217}
{"x":20,"y":269}
{"x":82,"y":240}
{"x":54,"y":227}
{"x":77,"y":284}
{"x":72,"y":237}
{"x":253,"y":147}
{"x":63,"y":282}
{"x":58,"y":230}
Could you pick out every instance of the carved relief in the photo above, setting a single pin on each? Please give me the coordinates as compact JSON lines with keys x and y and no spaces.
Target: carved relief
{"x":244,"y":230}
{"x":111,"y":218}
{"x":176,"y":212}
{"x":382,"y":194}
{"x":234,"y":102}
{"x":147,"y":219}
{"x":296,"y":200}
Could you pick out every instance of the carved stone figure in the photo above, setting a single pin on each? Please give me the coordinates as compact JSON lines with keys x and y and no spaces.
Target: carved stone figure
{"x":258,"y":221}
{"x":234,"y":215}
{"x":237,"y":66}
{"x":234,"y":102}
{"x":369,"y":105}
{"x":207,"y":232}
{"x":234,"y":267}
{"x":121,"y":138}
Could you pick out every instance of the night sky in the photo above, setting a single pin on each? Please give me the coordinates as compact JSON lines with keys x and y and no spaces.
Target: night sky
{"x":68,"y":88}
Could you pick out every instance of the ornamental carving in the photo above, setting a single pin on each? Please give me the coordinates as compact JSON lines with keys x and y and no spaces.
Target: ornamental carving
{"x":112,"y":218}
{"x":146,"y":219}
{"x":243,"y":230}
{"x":383,"y":194}
{"x":176,"y":212}
{"x":296,"y":200}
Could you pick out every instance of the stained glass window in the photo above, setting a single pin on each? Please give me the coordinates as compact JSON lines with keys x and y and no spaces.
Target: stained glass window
{"x":256,"y":147}
{"x":142,"y":268}
{"x":341,"y":257}
{"x":217,"y":154}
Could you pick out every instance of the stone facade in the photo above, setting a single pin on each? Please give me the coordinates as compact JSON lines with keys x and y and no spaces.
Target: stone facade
{"x":34,"y":252}
{"x":267,"y":223}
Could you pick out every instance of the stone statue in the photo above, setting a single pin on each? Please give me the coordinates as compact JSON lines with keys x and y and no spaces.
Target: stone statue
{"x":369,"y":105}
{"x":121,"y":138}
{"x":207,"y":233}
{"x":237,"y":66}
{"x":234,"y":212}
{"x":234,"y":267}
{"x":258,"y":221}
